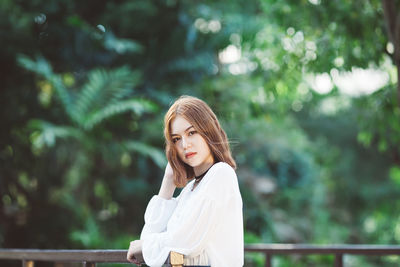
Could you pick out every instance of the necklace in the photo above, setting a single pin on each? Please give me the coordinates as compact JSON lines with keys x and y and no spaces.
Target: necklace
{"x":199,"y":178}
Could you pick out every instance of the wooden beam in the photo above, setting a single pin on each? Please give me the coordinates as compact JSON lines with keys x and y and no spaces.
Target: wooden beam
{"x":26,"y":263}
{"x":268,"y":260}
{"x":338,"y":260}
{"x":176,"y":259}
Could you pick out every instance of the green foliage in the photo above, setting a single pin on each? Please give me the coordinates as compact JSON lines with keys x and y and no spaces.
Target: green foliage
{"x":45,"y":133}
{"x":99,"y":98}
{"x":85,"y":87}
{"x":90,"y":237}
{"x":386,"y":136}
{"x":155,"y":154}
{"x":394,"y":174}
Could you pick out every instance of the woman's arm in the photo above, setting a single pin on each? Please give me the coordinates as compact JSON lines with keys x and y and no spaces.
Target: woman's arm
{"x":166,"y":192}
{"x":187,"y":235}
{"x":168,"y":186}
{"x":135,"y":252}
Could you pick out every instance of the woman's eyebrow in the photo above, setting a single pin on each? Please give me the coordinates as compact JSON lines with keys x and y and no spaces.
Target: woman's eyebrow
{"x":188,"y":128}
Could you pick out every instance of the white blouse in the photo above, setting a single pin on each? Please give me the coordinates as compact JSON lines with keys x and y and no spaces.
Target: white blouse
{"x":206,"y":224}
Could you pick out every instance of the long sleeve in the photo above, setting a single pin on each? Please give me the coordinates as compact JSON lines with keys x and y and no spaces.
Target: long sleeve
{"x":186,"y":234}
{"x":207,"y":221}
{"x":157,"y":215}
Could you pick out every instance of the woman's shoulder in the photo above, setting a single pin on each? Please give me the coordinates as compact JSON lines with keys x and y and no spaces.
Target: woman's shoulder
{"x":221,"y":182}
{"x":222,"y":167}
{"x":222,"y":172}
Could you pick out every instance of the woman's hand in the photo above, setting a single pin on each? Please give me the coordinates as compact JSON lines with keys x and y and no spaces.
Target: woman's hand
{"x":168,"y":184}
{"x":135,"y":252}
{"x":169,"y":173}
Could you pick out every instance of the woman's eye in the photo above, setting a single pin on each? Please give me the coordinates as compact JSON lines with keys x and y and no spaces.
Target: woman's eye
{"x":192,"y":132}
{"x":176,"y":139}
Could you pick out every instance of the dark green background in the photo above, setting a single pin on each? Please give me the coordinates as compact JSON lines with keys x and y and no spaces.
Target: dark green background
{"x":85,"y":85}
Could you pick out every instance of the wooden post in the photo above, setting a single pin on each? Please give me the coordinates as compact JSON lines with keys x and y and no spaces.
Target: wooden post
{"x":28,"y":263}
{"x":176,"y":259}
{"x":268,"y":260}
{"x":89,"y":264}
{"x":338,"y":260}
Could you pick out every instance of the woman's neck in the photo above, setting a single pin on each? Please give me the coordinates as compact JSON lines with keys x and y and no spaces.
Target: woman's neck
{"x":199,"y":170}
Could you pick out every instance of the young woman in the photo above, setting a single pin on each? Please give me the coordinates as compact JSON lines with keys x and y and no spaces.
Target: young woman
{"x":205,"y":222}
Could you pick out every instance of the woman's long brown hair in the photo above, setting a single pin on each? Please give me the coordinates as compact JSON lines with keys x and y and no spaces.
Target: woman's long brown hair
{"x":203,"y":119}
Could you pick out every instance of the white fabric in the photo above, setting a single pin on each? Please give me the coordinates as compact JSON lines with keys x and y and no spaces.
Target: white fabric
{"x":206,"y":224}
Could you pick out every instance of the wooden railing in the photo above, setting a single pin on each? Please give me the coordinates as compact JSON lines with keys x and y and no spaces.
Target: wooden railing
{"x":89,"y":258}
{"x":337,"y":250}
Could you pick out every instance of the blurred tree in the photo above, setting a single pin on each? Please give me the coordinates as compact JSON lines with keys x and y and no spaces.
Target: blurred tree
{"x":392,"y":20}
{"x":81,"y":130}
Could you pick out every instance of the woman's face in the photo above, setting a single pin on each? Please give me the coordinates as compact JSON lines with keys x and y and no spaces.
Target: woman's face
{"x":190,"y":145}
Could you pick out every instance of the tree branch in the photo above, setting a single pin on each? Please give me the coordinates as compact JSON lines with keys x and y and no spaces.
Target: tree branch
{"x":392,"y":21}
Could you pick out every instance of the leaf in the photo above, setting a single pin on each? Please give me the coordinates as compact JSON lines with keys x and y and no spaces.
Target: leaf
{"x":102,"y":89}
{"x":382,"y":146}
{"x":44,"y":69}
{"x":365,"y":138}
{"x":90,"y":236}
{"x":200,"y":61}
{"x":40,"y":66}
{"x":394,"y":175}
{"x":137,"y":106}
{"x":48,"y":133}
{"x":121,"y":46}
{"x":154,"y":153}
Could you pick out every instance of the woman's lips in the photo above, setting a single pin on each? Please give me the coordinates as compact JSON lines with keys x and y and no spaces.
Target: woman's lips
{"x":190,"y":154}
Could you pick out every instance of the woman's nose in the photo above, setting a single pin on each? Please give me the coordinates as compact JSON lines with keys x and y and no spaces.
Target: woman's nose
{"x":185,"y":143}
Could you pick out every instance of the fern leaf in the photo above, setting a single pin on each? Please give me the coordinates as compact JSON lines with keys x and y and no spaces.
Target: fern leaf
{"x":104,"y":88}
{"x":156,"y":154}
{"x":47,"y":133}
{"x":138,"y":106}
{"x":44,"y":69}
{"x":40,"y":66}
{"x":121,"y":46}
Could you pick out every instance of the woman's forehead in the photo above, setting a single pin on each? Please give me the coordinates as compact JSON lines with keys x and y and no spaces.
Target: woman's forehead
{"x":179,"y":125}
